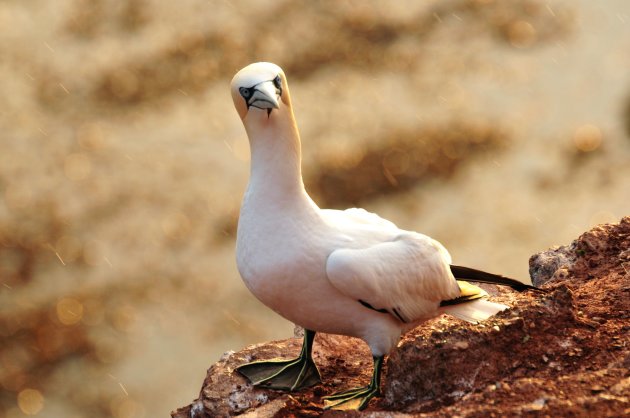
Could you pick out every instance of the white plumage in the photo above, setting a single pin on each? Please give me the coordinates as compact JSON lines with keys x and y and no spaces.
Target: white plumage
{"x":344,"y":272}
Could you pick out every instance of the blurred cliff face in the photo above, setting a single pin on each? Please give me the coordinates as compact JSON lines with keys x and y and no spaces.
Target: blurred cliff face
{"x":495,"y":126}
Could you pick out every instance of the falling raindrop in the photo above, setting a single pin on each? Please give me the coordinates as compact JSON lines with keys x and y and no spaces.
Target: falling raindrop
{"x":68,"y":248}
{"x":128,"y":408}
{"x":69,"y":311}
{"x":521,"y":34}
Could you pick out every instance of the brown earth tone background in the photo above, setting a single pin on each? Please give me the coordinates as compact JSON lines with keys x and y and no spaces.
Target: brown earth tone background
{"x":500,"y":128}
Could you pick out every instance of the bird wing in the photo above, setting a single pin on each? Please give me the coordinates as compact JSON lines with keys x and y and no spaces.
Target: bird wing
{"x":407,"y":276}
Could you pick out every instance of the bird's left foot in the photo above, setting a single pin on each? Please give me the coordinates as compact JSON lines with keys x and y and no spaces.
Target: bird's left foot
{"x":353,"y":399}
{"x":357,"y":398}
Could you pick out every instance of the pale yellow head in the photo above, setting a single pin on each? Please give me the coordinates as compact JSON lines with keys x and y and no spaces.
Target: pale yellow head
{"x":259,"y":88}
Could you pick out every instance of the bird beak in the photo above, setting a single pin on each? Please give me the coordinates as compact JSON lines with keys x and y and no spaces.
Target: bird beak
{"x":265,"y":96}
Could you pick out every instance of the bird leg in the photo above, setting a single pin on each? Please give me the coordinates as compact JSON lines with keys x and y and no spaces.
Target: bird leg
{"x":357,"y":398}
{"x":281,"y":374}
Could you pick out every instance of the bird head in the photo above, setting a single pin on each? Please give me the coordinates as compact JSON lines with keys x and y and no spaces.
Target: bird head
{"x":259,"y":88}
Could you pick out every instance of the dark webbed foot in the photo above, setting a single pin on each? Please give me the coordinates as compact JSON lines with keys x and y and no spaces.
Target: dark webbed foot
{"x":357,"y":398}
{"x":281,"y":374}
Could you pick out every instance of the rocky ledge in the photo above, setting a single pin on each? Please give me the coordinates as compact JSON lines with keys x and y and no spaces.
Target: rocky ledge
{"x":565,"y":352}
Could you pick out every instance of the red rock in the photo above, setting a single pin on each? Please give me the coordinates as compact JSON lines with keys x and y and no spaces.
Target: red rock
{"x":561,"y":353}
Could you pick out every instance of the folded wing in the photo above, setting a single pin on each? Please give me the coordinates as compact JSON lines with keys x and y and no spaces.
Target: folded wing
{"x":407,"y":276}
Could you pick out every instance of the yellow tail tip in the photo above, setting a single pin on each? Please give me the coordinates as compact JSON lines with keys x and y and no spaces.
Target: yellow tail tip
{"x":470,"y":290}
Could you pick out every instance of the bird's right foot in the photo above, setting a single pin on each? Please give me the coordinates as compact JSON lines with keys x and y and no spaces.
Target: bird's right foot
{"x":281,"y":374}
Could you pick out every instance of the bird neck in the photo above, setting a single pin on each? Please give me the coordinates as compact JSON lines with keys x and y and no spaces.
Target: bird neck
{"x":276,"y":173}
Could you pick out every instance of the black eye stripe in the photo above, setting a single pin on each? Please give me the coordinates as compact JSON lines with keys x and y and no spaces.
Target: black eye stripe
{"x":248,"y":92}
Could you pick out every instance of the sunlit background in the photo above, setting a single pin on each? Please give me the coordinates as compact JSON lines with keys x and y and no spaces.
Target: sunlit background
{"x":500,"y":128}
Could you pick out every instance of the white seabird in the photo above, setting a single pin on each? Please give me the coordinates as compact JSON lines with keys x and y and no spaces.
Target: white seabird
{"x":340,"y":272}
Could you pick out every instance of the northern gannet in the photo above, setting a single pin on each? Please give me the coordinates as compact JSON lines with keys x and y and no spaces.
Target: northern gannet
{"x":345,"y":272}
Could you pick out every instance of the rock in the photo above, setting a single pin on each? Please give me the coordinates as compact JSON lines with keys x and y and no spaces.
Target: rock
{"x":563,"y":352}
{"x":490,"y":356}
{"x":226,"y":393}
{"x":603,"y":249}
{"x":550,"y":264}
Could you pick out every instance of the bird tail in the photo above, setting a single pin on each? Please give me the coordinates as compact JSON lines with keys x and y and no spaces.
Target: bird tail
{"x":471,"y":305}
{"x":474,"y":311}
{"x":467,"y":273}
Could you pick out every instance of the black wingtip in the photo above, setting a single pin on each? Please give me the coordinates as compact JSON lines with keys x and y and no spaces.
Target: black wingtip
{"x":467,"y":273}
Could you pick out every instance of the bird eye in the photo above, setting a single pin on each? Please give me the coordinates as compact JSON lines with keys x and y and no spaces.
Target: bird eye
{"x":245,"y":92}
{"x":277,"y":82}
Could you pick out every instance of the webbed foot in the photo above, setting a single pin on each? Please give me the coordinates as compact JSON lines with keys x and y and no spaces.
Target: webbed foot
{"x":357,"y":398}
{"x":281,"y":374}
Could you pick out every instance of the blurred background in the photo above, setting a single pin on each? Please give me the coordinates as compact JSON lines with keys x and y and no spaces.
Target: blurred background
{"x":500,"y":128}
